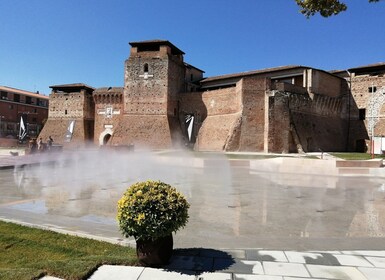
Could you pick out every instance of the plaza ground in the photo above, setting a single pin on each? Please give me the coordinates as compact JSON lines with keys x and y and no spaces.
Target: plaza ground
{"x":278,"y":218}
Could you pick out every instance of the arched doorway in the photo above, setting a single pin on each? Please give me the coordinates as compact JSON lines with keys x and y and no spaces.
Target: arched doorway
{"x":106,"y":138}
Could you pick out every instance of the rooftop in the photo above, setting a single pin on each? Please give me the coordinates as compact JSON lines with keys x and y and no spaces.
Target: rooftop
{"x":24,"y":92}
{"x":254,"y":72}
{"x":72,"y":87}
{"x":157,"y":42}
{"x":380,"y":66}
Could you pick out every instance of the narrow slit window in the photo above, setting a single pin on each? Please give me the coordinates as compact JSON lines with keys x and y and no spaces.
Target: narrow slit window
{"x":362,"y":114}
{"x":145,"y":68}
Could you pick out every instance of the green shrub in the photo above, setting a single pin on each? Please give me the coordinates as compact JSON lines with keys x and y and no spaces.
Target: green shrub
{"x":150,"y":210}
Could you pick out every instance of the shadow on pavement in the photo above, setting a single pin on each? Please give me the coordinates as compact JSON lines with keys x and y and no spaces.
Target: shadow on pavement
{"x":194,"y":261}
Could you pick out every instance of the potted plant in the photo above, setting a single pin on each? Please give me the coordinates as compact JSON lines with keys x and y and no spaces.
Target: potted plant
{"x":151,"y":211}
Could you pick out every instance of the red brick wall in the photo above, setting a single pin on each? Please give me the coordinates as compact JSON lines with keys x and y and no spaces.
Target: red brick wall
{"x":253,"y":114}
{"x":217,"y":112}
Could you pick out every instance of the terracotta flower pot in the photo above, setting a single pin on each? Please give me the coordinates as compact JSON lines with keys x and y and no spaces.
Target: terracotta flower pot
{"x":154,"y":253}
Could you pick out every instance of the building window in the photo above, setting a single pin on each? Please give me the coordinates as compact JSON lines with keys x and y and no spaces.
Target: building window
{"x":16,"y":97}
{"x":10,"y":107}
{"x":362,"y":114}
{"x":28,"y":100}
{"x":145,"y":68}
{"x":65,"y":112}
{"x":372,"y":89}
{"x":4,"y":95}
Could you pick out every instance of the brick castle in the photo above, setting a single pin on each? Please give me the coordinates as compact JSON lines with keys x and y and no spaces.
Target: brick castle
{"x":167,"y":103}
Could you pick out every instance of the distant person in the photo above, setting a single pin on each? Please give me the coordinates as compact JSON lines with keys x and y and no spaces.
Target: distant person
{"x":40,"y":145}
{"x":49,"y":142}
{"x":32,"y":145}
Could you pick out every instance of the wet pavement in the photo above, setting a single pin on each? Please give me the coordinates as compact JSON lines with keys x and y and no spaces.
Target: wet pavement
{"x":281,"y":206}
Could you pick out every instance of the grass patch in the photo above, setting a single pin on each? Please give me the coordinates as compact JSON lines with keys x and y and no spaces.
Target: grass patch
{"x":30,"y":253}
{"x":356,"y":156}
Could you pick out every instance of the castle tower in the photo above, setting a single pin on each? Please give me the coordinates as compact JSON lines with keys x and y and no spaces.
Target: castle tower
{"x":154,"y":76}
{"x":71,"y":115}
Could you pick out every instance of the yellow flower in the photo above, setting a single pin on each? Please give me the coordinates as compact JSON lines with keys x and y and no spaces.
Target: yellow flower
{"x":140,"y":217}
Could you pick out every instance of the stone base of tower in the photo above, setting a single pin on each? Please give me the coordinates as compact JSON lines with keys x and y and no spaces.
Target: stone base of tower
{"x":82,"y":133}
{"x":148,"y":131}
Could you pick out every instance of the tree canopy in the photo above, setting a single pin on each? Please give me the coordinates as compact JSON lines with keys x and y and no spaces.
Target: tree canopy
{"x":325,"y":8}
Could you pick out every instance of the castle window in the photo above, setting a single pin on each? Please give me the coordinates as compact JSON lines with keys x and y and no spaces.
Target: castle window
{"x":65,"y":112}
{"x":4,"y":95}
{"x":372,"y":89}
{"x":361,"y":114}
{"x":16,"y":97}
{"x":145,"y":68}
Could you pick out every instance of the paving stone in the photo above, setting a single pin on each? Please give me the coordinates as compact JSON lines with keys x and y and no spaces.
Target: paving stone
{"x":237,"y":265}
{"x":302,"y":257}
{"x":377,"y":262}
{"x":296,"y":278}
{"x":311,"y":258}
{"x":285,"y":269}
{"x":335,"y":272}
{"x":256,"y":277}
{"x":372,"y":253}
{"x":214,"y":276}
{"x":373,"y":273}
{"x":266,"y":255}
{"x":117,"y":272}
{"x":236,"y":254}
{"x":257,"y":266}
{"x":326,"y":252}
{"x":157,"y":274}
{"x":353,"y":260}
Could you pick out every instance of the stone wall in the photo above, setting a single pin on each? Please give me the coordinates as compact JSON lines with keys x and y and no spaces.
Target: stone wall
{"x":145,"y":131}
{"x":57,"y":129}
{"x":153,"y":80}
{"x":323,"y":83}
{"x":217,"y":112}
{"x":361,"y":85}
{"x":252,"y":133}
{"x":66,"y":107}
{"x":108,"y":113}
{"x":300,"y":123}
{"x":362,"y":93}
{"x":71,"y":105}
{"x":279,"y":119}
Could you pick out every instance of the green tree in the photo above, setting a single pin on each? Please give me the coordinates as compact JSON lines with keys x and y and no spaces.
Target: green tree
{"x":325,"y":8}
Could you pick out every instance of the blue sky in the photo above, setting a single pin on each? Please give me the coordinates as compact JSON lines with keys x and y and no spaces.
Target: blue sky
{"x":50,"y":42}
